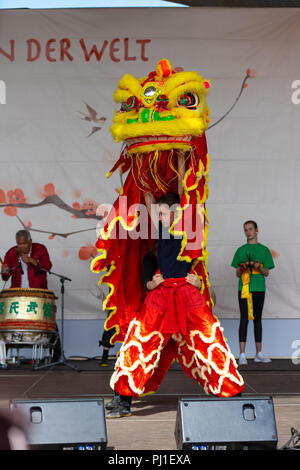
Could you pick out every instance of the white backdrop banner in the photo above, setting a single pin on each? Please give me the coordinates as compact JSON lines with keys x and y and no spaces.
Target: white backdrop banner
{"x":58,"y":72}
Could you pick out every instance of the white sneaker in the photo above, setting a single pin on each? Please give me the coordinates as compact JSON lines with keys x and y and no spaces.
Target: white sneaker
{"x":261,"y":358}
{"x":243,"y":360}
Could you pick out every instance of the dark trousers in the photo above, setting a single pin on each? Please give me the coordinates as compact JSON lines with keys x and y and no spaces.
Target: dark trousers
{"x":258,"y":299}
{"x":106,"y":337}
{"x":125,"y":401}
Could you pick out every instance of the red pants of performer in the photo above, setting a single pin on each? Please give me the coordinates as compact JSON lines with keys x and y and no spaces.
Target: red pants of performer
{"x":175,"y":323}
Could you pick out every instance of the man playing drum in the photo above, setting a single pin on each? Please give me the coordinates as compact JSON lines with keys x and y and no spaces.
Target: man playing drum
{"x":26,"y":262}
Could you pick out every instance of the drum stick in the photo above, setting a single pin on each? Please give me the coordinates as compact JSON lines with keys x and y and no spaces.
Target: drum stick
{"x":3,"y":264}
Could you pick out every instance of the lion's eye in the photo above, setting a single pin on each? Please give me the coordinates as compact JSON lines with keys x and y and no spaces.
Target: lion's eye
{"x":188,"y":100}
{"x":131,"y":103}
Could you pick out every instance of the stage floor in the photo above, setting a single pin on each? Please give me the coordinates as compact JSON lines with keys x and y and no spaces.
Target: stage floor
{"x":152,"y":423}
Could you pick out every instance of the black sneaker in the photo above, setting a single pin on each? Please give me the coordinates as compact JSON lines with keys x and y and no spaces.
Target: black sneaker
{"x":118,"y":412}
{"x":114,"y":403}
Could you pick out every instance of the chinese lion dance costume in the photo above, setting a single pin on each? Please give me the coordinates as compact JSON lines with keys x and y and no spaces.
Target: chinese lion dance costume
{"x":161,"y":117}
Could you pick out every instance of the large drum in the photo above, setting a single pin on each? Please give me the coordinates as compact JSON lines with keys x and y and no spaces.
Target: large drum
{"x":27,"y":315}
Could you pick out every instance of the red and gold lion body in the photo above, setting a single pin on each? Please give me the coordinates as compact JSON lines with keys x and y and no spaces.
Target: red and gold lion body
{"x":161,"y":121}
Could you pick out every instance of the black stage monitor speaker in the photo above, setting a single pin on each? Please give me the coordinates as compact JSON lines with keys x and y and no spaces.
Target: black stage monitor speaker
{"x":64,"y":424}
{"x":239,"y":423}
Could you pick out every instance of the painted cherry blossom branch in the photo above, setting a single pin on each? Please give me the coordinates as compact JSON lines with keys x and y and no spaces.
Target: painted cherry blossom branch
{"x":55,"y":200}
{"x":249,"y":74}
{"x":52,"y":234}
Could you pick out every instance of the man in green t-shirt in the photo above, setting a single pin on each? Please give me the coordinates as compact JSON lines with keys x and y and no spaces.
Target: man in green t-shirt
{"x":252,"y":262}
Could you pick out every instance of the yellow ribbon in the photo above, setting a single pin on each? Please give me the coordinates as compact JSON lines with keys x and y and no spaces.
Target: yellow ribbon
{"x":246,"y":294}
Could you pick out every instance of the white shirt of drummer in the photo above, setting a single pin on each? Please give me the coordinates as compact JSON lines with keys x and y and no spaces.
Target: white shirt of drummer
{"x":24,"y":277}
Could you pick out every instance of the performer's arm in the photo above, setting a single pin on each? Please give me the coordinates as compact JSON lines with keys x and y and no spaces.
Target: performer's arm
{"x":4,"y":273}
{"x":156,"y":281}
{"x":27,"y":259}
{"x":44,"y":261}
{"x":4,"y":268}
{"x":263,"y":271}
{"x":42,"y":258}
{"x":242,"y":267}
{"x":149,"y":268}
{"x":194,"y":280}
{"x":181,"y":171}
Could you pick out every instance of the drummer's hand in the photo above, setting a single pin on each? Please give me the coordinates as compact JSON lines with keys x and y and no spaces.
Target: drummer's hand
{"x":257,"y":264}
{"x":31,"y":261}
{"x":193,"y":280}
{"x":4,"y":268}
{"x":27,"y":259}
{"x":24,"y":257}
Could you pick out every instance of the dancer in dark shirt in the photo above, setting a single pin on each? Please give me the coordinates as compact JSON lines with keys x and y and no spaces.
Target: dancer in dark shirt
{"x":174,"y":322}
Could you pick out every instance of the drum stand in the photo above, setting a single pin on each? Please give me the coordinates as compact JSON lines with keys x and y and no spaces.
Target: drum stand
{"x":62,"y":359}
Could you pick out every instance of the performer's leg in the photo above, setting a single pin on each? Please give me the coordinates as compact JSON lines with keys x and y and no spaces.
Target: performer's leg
{"x":215,"y":372}
{"x":105,"y":343}
{"x":166,"y":359}
{"x":243,"y":328}
{"x":258,"y":299}
{"x":120,"y":405}
{"x":138,"y":358}
{"x":122,"y":408}
{"x":113,"y":403}
{"x":205,"y":356}
{"x":142,"y":348}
